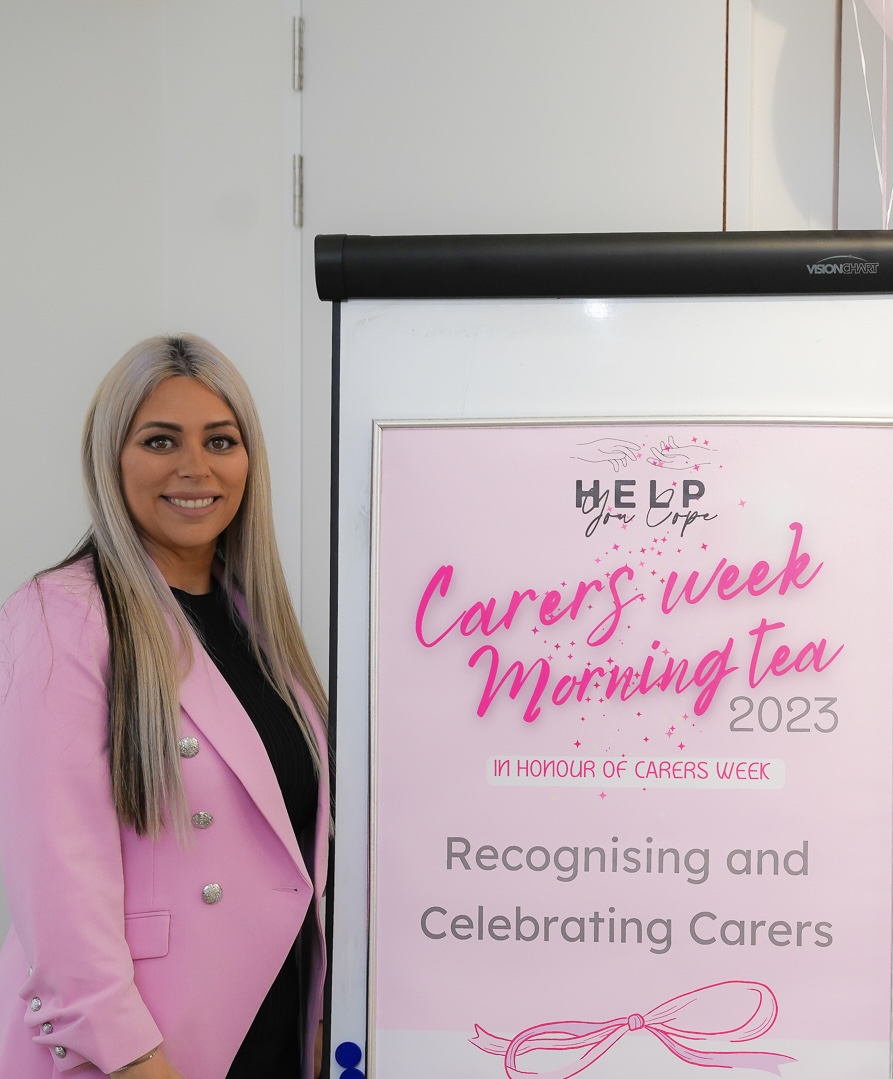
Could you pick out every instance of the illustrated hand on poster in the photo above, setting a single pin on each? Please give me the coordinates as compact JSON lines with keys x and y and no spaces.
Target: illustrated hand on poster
{"x":614,"y":450}
{"x":690,"y":456}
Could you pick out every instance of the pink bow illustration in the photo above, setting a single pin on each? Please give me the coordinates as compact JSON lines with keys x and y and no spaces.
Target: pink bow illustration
{"x":729,"y":1011}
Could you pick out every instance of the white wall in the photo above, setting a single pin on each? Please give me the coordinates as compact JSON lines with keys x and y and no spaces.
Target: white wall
{"x":861,"y":203}
{"x":782,"y":114}
{"x":81,"y":263}
{"x":146,"y":188}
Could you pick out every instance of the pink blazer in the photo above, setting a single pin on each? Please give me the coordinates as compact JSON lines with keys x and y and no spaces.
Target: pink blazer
{"x":114,"y":947}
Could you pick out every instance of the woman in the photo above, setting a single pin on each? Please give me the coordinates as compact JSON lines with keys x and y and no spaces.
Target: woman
{"x":163,"y":779}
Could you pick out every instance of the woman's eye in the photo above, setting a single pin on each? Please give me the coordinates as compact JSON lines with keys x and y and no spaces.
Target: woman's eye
{"x":159,"y":442}
{"x":221,"y":442}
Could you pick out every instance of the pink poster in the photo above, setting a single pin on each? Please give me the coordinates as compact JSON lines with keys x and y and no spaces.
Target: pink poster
{"x":631,"y":716}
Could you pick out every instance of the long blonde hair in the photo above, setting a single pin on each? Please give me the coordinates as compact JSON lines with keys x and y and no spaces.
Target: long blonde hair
{"x":147,"y":663}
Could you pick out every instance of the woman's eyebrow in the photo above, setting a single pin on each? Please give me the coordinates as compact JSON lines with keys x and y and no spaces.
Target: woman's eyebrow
{"x":159,"y":423}
{"x":167,"y":426}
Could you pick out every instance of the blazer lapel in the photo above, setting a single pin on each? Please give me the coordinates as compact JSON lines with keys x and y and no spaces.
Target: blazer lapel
{"x":212,"y":706}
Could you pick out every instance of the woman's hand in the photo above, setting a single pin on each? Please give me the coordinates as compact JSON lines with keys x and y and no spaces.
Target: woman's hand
{"x":317,"y":1052}
{"x":156,"y":1068}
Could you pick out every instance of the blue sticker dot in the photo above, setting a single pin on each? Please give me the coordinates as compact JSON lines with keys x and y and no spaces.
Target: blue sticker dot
{"x":352,"y":1073}
{"x":348,"y":1055}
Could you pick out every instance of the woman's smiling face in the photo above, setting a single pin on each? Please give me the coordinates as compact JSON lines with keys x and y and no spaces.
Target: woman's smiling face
{"x":183,"y":473}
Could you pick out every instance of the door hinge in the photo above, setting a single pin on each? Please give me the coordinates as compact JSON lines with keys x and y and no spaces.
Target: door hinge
{"x":298,"y":49}
{"x":298,"y":191}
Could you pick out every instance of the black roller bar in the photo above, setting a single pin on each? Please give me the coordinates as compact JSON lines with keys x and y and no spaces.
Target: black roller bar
{"x":603,"y":265}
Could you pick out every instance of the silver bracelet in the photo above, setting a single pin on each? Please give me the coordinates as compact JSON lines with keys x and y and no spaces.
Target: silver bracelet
{"x":133,"y":1063}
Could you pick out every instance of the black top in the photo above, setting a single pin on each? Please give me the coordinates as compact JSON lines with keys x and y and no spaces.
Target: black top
{"x":272,"y":1046}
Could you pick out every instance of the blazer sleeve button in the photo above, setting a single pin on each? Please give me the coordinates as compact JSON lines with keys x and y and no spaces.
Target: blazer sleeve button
{"x":212,"y":893}
{"x":46,"y":1028}
{"x":188,"y":747}
{"x":59,"y":1051}
{"x":36,"y":1004}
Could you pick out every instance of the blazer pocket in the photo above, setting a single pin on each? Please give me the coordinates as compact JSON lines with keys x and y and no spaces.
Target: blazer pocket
{"x":148,"y":935}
